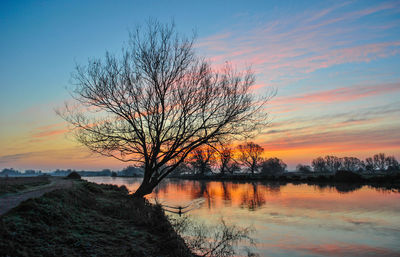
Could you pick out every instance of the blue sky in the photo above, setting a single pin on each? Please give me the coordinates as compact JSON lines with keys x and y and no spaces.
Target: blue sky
{"x":335,"y":65}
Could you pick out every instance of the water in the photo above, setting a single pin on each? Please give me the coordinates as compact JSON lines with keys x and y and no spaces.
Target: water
{"x":292,"y":220}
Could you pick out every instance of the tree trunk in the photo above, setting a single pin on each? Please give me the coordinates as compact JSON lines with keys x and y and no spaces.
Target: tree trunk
{"x":146,"y":187}
{"x":252,"y":169}
{"x":222,"y":170}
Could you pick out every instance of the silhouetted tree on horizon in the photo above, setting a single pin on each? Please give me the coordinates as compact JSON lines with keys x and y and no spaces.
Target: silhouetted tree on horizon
{"x":159,"y":102}
{"x":369,"y":164}
{"x":202,"y":159}
{"x":227,"y":163}
{"x":379,"y":161}
{"x":392,"y":163}
{"x":273,"y":166}
{"x":303,"y":168}
{"x":250,"y":155}
{"x":319,"y":165}
{"x":352,"y":164}
{"x":333,"y":163}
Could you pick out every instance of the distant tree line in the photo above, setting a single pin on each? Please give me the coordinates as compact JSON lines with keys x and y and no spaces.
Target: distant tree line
{"x":12,"y":172}
{"x":129,"y":171}
{"x":331,"y":164}
{"x":242,"y":159}
{"x":225,"y":159}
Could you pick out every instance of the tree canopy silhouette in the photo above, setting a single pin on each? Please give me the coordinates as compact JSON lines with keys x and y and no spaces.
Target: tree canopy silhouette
{"x":159,"y":101}
{"x":250,"y":155}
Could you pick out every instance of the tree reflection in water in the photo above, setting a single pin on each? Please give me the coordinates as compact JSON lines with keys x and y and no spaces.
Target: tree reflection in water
{"x":252,"y":200}
{"x":347,"y":188}
{"x":249,"y":195}
{"x":318,"y":210}
{"x":226,"y":192}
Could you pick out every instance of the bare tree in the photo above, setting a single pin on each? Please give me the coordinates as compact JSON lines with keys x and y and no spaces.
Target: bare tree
{"x":159,"y":101}
{"x":250,"y":155}
{"x":351,"y":164}
{"x":333,"y":163}
{"x":380,"y":161}
{"x":392,"y":163}
{"x":319,"y":164}
{"x":369,"y":164}
{"x":226,"y":160}
{"x":202,"y":159}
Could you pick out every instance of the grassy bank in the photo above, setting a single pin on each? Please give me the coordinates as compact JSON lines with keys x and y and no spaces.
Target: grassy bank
{"x":17,"y":184}
{"x":88,"y":220}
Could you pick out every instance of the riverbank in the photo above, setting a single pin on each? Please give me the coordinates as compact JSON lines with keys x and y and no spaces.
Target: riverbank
{"x":388,"y":181}
{"x":91,"y":220}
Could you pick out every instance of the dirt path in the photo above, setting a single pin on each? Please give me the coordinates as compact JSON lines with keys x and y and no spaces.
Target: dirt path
{"x":10,"y":201}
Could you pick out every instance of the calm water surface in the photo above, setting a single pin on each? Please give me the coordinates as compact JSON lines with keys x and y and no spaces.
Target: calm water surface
{"x":292,"y":220}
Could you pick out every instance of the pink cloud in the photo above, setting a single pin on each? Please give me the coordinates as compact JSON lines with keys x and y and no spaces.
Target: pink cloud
{"x":51,"y":126}
{"x":344,"y":249}
{"x":328,"y":137}
{"x":297,"y":45}
{"x":49,"y":130}
{"x":50,"y":133}
{"x":339,"y":94}
{"x":374,"y":9}
{"x":323,"y":13}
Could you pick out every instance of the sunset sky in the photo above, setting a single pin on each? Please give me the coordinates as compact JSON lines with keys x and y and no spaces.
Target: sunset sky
{"x":335,"y":65}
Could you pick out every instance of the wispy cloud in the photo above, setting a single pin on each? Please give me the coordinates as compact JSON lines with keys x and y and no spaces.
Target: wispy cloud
{"x":339,"y":140}
{"x":304,"y":54}
{"x":288,"y":51}
{"x":366,"y":115}
{"x":293,"y":46}
{"x":49,"y":130}
{"x":50,"y":133}
{"x":358,"y":133}
{"x":57,"y":157}
{"x":13,"y":157}
{"x":346,"y":249}
{"x":339,"y":94}
{"x":74,"y":153}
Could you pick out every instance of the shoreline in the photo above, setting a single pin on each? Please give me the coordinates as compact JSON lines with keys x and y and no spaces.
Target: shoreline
{"x":389,"y":181}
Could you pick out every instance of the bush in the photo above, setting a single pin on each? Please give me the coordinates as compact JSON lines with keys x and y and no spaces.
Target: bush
{"x":303,"y":168}
{"x":74,"y":175}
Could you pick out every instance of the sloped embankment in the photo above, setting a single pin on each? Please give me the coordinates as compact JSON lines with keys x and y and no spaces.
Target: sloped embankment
{"x":88,"y":220}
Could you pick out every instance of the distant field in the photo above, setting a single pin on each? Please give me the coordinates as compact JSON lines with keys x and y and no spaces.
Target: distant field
{"x":16,"y":184}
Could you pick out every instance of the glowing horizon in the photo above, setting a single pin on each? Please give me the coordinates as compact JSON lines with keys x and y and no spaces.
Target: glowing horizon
{"x":334,"y":64}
